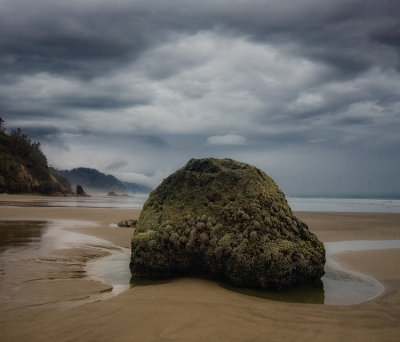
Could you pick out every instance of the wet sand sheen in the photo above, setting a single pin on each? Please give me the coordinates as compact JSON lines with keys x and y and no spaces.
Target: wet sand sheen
{"x":19,"y":233}
{"x":36,"y":252}
{"x":196,"y":310}
{"x":338,"y":287}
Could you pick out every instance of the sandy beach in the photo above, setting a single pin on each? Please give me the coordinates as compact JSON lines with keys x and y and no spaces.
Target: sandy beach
{"x":56,"y":300}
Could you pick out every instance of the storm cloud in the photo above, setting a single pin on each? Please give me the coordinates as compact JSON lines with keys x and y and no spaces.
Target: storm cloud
{"x":308,"y":90}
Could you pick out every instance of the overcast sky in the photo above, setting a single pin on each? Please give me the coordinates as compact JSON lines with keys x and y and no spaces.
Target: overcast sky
{"x":307,"y":90}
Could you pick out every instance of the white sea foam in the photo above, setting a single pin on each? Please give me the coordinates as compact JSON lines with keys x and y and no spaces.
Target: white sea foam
{"x":345,"y":204}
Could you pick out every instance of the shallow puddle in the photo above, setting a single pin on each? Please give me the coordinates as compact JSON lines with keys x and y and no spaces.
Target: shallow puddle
{"x":343,"y":286}
{"x":112,"y":270}
{"x":338,"y":286}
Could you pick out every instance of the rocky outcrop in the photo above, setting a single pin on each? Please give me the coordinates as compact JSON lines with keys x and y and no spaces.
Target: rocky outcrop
{"x":24,"y":168}
{"x":95,"y":181}
{"x":127,"y":223}
{"x":226,"y":219}
{"x":80,"y":192}
{"x":114,"y":194}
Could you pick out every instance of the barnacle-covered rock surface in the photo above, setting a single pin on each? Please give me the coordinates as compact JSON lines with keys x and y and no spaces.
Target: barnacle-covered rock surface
{"x":226,"y":219}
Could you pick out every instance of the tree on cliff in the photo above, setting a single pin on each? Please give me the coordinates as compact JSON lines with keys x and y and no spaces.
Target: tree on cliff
{"x":23,"y":166}
{"x":2,"y":126}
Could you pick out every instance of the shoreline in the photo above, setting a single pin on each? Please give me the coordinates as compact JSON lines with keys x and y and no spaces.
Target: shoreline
{"x":196,"y":309}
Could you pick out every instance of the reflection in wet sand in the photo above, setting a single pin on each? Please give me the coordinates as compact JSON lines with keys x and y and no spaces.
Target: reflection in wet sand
{"x":42,"y":265}
{"x":20,"y":233}
{"x":135,"y":201}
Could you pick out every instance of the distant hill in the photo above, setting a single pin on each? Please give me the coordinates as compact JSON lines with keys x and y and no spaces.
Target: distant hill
{"x":92,"y":180}
{"x":95,"y":181}
{"x":24,"y":168}
{"x":137,"y":188}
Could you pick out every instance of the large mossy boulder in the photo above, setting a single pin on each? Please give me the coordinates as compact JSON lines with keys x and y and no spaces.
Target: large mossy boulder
{"x":227,"y":219}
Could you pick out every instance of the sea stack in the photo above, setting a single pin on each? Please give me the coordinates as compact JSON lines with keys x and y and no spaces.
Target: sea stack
{"x":80,"y":192}
{"x":226,"y":219}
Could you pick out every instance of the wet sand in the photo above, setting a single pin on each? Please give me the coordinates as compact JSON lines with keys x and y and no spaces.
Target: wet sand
{"x":196,"y":309}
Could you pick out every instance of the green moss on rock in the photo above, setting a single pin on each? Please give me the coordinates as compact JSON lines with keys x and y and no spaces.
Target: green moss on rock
{"x":227,"y":219}
{"x":127,"y":223}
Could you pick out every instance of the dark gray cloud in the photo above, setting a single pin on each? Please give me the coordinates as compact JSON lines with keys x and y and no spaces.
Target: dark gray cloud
{"x":97,"y":102}
{"x":45,"y":135}
{"x":139,"y":87}
{"x":117,"y":164}
{"x":42,"y":132}
{"x":86,"y":38}
{"x":151,"y":140}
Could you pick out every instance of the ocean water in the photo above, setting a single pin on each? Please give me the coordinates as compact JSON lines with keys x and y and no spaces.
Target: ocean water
{"x":362,"y":205}
{"x":330,"y":204}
